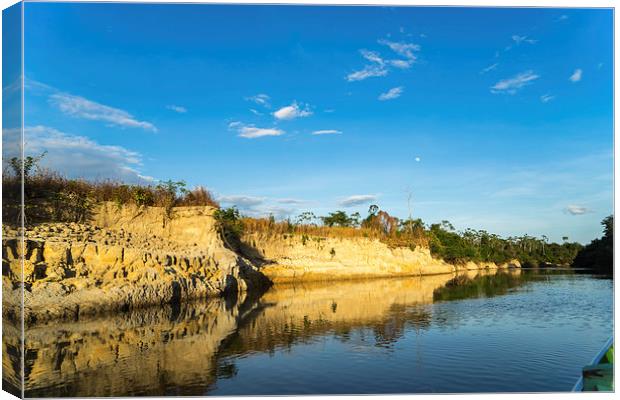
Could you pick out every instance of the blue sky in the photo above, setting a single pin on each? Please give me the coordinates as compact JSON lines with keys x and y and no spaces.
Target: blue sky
{"x":497,"y":119}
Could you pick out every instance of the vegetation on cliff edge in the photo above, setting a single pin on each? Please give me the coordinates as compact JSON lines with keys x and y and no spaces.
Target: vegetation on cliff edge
{"x":52,"y":197}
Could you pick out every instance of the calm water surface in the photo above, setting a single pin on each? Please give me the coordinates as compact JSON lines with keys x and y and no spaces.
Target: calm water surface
{"x":515,"y":331}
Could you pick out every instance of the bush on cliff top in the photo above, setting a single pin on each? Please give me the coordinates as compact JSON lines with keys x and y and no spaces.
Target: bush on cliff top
{"x":49,"y":196}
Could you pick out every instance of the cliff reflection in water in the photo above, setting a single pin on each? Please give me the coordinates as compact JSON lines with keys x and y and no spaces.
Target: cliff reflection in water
{"x":183,"y":351}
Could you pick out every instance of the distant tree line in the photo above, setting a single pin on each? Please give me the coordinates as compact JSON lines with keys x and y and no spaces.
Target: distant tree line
{"x":599,"y":254}
{"x":442,"y":239}
{"x":52,"y":197}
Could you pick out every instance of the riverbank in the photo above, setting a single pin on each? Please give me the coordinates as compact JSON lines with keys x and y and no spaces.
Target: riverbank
{"x":291,"y":258}
{"x":126,"y":257}
{"x":122,"y":258}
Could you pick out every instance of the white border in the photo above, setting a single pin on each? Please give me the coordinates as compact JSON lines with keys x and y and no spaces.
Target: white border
{"x":477,"y":3}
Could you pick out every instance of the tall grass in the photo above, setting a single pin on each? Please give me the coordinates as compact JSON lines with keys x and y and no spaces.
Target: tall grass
{"x":49,"y":196}
{"x":393,"y":238}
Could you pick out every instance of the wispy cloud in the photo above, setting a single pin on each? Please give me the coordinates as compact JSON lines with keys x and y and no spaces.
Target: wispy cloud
{"x":368,"y":71}
{"x":545,"y":98}
{"x":357,"y":200}
{"x":257,"y":207}
{"x":79,"y":107}
{"x":521,"y":39}
{"x":291,"y":201}
{"x":391,"y":94}
{"x":563,"y":17}
{"x":372,"y":56}
{"x":576,"y":76}
{"x":179,"y":109}
{"x":241,"y":200}
{"x":78,"y":156}
{"x":489,"y":68}
{"x":402,"y":49}
{"x":256,"y":112}
{"x":576,"y":210}
{"x":327,"y":132}
{"x":402,"y":64}
{"x":293,"y":111}
{"x":512,"y":85}
{"x":381,"y":66}
{"x":252,"y":132}
{"x":261,"y":99}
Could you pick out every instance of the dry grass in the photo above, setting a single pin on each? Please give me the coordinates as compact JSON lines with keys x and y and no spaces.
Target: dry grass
{"x":394,"y":239}
{"x":48,"y":196}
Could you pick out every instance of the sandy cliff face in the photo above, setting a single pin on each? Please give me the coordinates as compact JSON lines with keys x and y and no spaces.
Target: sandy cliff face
{"x":124,"y":258}
{"x":128,"y":257}
{"x":294,"y":257}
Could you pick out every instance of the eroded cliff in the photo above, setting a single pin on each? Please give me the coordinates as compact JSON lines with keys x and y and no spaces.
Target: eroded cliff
{"x":297,"y":257}
{"x":123,"y":258}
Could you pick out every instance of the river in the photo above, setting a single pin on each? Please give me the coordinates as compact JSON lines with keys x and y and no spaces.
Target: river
{"x":514,"y":331}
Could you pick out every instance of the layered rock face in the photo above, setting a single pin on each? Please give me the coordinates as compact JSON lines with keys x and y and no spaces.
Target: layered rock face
{"x":294,"y":257}
{"x":126,"y":257}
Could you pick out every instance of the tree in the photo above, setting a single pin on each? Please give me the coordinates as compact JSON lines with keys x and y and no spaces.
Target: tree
{"x":306,"y":218}
{"x":599,"y":254}
{"x":355,"y":219}
{"x":338,"y":218}
{"x":30,"y":163}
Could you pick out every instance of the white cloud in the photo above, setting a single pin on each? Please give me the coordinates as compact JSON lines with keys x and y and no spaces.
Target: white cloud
{"x":368,"y":71}
{"x":259,"y":207}
{"x":402,"y":64}
{"x":252,"y":132}
{"x":379,"y":66}
{"x":80,"y":107}
{"x":77,"y":156}
{"x":518,"y":39}
{"x":279,"y":213}
{"x":179,"y":109}
{"x":357,"y":200}
{"x":372,"y":56}
{"x":291,"y":112}
{"x":576,"y":210}
{"x":261,"y":99}
{"x":418,"y":159}
{"x":489,"y":68}
{"x":545,"y":98}
{"x":291,"y":201}
{"x":576,"y":76}
{"x":241,"y":200}
{"x":511,"y":85}
{"x":563,"y":17}
{"x":255,"y":112}
{"x":327,"y":132}
{"x":391,"y":94}
{"x":401,"y":48}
